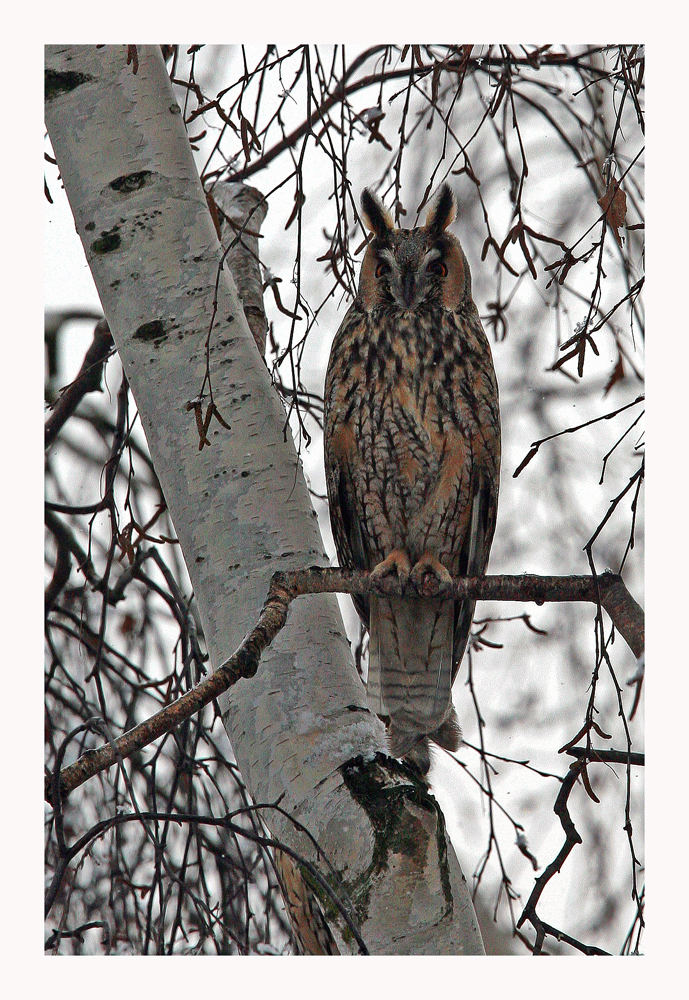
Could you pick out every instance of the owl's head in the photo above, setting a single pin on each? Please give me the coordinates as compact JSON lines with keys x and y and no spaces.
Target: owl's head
{"x":408,"y":268}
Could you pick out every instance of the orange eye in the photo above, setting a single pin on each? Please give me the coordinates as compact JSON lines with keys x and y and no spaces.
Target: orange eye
{"x":381,"y":269}
{"x":437,"y":267}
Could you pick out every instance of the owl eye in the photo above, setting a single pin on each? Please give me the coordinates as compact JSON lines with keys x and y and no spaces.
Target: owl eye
{"x":382,"y":268}
{"x":437,"y":267}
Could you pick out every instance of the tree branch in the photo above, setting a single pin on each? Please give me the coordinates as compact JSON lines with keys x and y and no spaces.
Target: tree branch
{"x":608,"y":756}
{"x":607,"y":589}
{"x":572,"y":839}
{"x":87,"y":380}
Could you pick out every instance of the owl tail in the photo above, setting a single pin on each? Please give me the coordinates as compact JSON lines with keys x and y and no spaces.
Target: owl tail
{"x":410,"y":670}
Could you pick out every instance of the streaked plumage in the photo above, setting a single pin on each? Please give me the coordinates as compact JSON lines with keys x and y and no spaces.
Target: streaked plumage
{"x":412,"y":453}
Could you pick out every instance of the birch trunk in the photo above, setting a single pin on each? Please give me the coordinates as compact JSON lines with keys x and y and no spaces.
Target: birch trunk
{"x":300,"y":728}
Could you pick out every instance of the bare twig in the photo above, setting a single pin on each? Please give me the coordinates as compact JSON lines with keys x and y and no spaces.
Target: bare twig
{"x":87,"y":380}
{"x":572,"y":838}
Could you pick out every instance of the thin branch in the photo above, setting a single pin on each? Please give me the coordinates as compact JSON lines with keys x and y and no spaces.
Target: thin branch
{"x":608,"y":756}
{"x":572,"y":839}
{"x":284,"y":587}
{"x":87,"y":380}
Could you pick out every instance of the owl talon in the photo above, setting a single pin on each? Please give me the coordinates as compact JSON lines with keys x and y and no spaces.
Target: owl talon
{"x":428,"y":575}
{"x":396,"y":564}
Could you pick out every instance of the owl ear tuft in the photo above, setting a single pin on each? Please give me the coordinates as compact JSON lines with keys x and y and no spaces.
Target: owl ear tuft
{"x":443,"y":211}
{"x":376,"y":216}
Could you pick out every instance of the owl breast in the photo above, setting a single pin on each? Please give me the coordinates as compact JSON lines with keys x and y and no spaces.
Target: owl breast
{"x":407,"y":414}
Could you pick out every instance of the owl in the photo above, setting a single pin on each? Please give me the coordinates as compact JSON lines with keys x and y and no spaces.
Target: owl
{"x":412,"y":456}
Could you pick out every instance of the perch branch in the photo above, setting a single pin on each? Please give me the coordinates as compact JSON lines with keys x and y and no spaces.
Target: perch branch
{"x":607,"y":589}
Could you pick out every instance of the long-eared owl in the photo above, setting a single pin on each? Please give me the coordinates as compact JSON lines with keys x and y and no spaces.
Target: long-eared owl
{"x":412,"y":455}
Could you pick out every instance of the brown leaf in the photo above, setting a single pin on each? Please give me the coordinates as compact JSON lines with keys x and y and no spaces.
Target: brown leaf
{"x":196,"y":406}
{"x":124,"y":541}
{"x":525,"y":461}
{"x":299,"y":199}
{"x":605,"y":736}
{"x":249,"y":137}
{"x":279,"y":303}
{"x":377,"y":135}
{"x":255,"y":141}
{"x":219,"y":417}
{"x":587,"y":784}
{"x":213,"y":209}
{"x":575,"y":739}
{"x":246,"y":143}
{"x":527,"y":255}
{"x":435,"y":82}
{"x":614,"y":205}
{"x":618,"y":374}
{"x":127,"y":624}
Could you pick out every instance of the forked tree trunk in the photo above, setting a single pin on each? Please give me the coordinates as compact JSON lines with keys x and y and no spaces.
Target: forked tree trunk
{"x":241,"y":508}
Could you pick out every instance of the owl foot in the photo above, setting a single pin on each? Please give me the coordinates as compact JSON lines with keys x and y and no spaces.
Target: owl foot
{"x":396,"y":564}
{"x":428,"y":575}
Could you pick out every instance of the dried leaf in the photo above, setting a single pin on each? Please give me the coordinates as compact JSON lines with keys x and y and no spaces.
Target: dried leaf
{"x":604,"y":736}
{"x":614,"y":205}
{"x":529,"y":625}
{"x":618,"y":373}
{"x":587,"y":784}
{"x":213,"y":209}
{"x":219,"y":417}
{"x":525,"y":461}
{"x":124,"y":541}
{"x":435,"y":82}
{"x":279,"y":303}
{"x":127,"y":624}
{"x":245,"y":138}
{"x":527,"y":255}
{"x":249,"y":137}
{"x":575,"y":739}
{"x":255,"y":141}
{"x":299,"y":199}
{"x":376,"y":134}
{"x":195,"y":405}
{"x":494,"y":106}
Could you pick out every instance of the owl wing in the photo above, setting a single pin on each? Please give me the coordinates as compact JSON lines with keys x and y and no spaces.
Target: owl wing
{"x":475,"y":401}
{"x":341,"y":457}
{"x":474,"y":557}
{"x":346,"y":526}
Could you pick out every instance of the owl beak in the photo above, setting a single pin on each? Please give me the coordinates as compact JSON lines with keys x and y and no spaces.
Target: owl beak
{"x":408,"y":287}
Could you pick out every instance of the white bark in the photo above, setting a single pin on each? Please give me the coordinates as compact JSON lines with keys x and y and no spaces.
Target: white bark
{"x":241,"y":508}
